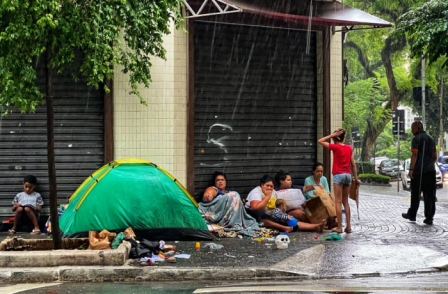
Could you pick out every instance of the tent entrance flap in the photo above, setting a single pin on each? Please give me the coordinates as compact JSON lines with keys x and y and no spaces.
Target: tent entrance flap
{"x":320,"y":13}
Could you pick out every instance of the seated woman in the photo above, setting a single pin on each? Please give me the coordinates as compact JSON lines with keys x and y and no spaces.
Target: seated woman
{"x":283,"y":181}
{"x":316,"y":179}
{"x":261,"y":204}
{"x":217,"y":187}
{"x":225,"y":208}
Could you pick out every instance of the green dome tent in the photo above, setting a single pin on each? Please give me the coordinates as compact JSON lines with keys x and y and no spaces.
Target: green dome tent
{"x":138,"y":194}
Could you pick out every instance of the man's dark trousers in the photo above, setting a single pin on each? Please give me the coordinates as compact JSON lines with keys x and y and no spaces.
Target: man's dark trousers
{"x":428,"y":182}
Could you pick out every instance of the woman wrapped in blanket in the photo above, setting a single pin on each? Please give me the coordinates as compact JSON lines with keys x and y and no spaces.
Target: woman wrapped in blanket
{"x":217,"y":187}
{"x":260,"y":204}
{"x":225,"y":208}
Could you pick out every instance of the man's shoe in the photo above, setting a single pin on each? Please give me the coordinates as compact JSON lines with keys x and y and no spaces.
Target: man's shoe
{"x":406,"y":216}
{"x":428,"y":222}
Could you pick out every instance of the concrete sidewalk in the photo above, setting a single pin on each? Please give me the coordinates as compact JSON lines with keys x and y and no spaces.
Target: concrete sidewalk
{"x":382,"y":243}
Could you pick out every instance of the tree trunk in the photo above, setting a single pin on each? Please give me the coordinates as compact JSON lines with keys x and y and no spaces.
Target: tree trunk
{"x":57,"y":241}
{"x":373,"y":131}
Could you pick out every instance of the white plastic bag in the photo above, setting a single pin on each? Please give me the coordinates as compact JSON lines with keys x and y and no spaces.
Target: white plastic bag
{"x":213,"y":245}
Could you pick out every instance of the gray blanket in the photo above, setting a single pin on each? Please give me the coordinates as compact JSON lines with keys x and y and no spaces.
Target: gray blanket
{"x":228,"y":211}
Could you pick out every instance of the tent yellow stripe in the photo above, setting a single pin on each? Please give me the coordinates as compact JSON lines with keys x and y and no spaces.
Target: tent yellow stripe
{"x":91,"y":187}
{"x":86,"y":181}
{"x":105,"y":169}
{"x":178,"y":184}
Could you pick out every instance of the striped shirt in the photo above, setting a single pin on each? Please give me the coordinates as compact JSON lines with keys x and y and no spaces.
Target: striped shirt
{"x":33,"y":199}
{"x":279,"y":216}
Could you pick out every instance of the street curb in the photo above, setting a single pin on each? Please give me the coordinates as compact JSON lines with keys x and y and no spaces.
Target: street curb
{"x":137,"y":274}
{"x":162,"y":274}
{"x":45,"y":258}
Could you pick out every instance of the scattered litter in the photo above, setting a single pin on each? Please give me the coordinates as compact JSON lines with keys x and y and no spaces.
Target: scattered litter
{"x":213,"y":246}
{"x":251,"y":256}
{"x":157,"y":258}
{"x":316,"y":237}
{"x":240,"y":237}
{"x":147,"y":262}
{"x":228,"y":255}
{"x":170,"y":253}
{"x":171,"y":259}
{"x":270,"y":240}
{"x":333,"y":237}
{"x":186,"y":256}
{"x":176,"y":241}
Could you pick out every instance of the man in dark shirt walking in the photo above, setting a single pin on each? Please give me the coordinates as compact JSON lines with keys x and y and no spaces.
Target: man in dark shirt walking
{"x":422,"y":174}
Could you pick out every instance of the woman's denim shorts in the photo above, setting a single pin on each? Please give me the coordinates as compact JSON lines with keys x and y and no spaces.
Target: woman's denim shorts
{"x":342,"y":179}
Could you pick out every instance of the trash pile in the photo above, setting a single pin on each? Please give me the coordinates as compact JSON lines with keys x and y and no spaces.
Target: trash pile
{"x":148,"y":252}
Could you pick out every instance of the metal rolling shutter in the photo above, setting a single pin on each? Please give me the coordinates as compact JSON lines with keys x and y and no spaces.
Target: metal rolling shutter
{"x":79,"y":146}
{"x":255,"y":104}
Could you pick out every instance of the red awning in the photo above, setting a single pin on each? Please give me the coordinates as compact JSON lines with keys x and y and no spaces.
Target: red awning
{"x":322,"y":13}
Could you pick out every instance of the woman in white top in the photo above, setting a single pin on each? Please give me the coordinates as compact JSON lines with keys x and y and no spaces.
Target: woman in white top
{"x":260,"y":204}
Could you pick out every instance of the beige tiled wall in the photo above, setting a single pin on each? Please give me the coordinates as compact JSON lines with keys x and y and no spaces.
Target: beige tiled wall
{"x":335,"y":86}
{"x":320,"y":90}
{"x":156,"y":132}
{"x":336,"y":83}
{"x":336,"y":80}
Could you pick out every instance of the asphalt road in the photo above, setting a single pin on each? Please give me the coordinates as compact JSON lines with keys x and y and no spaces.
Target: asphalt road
{"x":427,"y":283}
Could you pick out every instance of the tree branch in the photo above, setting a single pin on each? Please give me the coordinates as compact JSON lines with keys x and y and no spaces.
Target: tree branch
{"x":362,"y":59}
{"x":392,"y":45}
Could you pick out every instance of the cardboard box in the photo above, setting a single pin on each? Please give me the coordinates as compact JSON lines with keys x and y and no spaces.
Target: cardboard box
{"x":327,"y":199}
{"x":321,"y":207}
{"x":316,"y":210}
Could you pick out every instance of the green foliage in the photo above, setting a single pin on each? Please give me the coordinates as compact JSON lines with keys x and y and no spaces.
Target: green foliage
{"x":374,"y":178}
{"x":365,"y":167}
{"x":386,"y":144}
{"x":115,"y":33}
{"x":363,"y":102}
{"x":426,"y":27}
{"x":384,"y":55}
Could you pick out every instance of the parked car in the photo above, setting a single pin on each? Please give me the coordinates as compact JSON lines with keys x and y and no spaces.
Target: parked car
{"x":390,"y":167}
{"x":406,"y":181}
{"x":378,"y":160}
{"x":443,"y":166}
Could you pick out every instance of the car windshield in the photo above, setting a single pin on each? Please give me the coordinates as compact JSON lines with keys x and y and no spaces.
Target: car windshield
{"x":388,"y":163}
{"x":445,"y":160}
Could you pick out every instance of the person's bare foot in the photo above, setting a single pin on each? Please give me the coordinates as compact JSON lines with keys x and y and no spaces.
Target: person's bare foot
{"x":287,"y":229}
{"x":337,"y":230}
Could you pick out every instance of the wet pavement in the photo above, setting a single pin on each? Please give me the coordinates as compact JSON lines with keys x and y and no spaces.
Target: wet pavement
{"x":382,"y":243}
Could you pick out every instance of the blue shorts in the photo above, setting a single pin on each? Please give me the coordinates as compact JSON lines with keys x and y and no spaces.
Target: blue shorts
{"x":344,"y":180}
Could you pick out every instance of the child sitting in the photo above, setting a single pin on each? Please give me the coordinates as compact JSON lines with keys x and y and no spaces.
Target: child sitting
{"x":279,"y":214}
{"x":29,"y":202}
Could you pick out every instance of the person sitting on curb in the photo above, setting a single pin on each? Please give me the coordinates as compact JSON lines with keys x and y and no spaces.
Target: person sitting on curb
{"x":217,"y":187}
{"x":29,"y":202}
{"x":316,"y":179}
{"x":260,"y":204}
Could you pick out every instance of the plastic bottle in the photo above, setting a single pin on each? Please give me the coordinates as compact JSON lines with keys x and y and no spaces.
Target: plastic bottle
{"x":197,"y":245}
